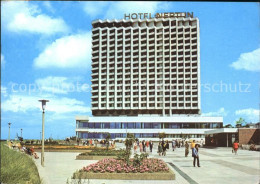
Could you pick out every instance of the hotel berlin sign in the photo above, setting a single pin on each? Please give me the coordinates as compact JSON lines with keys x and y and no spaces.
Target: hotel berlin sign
{"x":158,"y":15}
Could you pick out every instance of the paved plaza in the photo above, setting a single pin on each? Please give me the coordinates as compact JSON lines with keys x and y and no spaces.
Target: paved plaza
{"x":218,"y":165}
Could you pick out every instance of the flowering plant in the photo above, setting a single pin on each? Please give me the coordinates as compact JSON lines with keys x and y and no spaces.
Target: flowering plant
{"x":119,"y":166}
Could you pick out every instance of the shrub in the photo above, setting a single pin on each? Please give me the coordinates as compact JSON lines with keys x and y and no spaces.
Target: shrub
{"x":17,"y":167}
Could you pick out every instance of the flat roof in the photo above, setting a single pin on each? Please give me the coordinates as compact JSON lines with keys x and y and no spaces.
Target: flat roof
{"x":222,"y":130}
{"x":141,"y":20}
{"x":150,"y":119}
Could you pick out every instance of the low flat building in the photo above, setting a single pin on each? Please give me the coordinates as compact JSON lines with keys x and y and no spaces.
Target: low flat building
{"x":225,"y":137}
{"x":146,"y":127}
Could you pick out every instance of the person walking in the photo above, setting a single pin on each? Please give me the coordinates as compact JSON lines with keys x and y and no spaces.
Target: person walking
{"x":135,"y":147}
{"x":143,"y":144}
{"x":151,"y":146}
{"x":160,"y":148}
{"x":164,"y":147}
{"x":193,"y":144}
{"x":141,"y":147}
{"x":173,"y":144}
{"x":235,"y":147}
{"x":147,"y":145}
{"x":186,"y":148}
{"x":167,"y":144}
{"x":195,"y":155}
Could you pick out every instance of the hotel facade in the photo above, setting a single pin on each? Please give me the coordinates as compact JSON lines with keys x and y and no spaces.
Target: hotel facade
{"x":146,"y":80}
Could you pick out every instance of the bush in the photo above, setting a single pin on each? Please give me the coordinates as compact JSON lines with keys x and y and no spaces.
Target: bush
{"x":17,"y":167}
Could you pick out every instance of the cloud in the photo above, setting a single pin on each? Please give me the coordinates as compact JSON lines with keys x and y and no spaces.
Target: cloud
{"x":61,"y":85}
{"x":220,"y":112}
{"x":58,"y":105}
{"x":251,"y":115}
{"x":118,"y":9}
{"x":52,"y":84}
{"x":24,"y":16}
{"x":4,"y":91}
{"x":94,"y":8}
{"x":3,"y":61}
{"x":48,"y":6}
{"x":248,"y":61}
{"x":67,"y":52}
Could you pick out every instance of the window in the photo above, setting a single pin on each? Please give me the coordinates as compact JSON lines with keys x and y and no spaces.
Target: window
{"x":106,"y":125}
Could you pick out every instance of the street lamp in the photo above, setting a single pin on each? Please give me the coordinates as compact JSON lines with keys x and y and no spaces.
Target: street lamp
{"x":21,"y":132}
{"x":9,"y":125}
{"x":43,"y":112}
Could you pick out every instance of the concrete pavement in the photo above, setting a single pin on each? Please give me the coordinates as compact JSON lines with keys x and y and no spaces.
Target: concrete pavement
{"x":218,"y":165}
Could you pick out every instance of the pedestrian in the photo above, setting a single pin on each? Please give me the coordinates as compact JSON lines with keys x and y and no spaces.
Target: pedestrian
{"x":235,"y":146}
{"x":173,"y":145}
{"x":141,"y":147}
{"x":143,"y":144}
{"x":202,"y":142}
{"x":147,"y":144}
{"x":193,"y":144}
{"x":151,"y":146}
{"x":167,"y":144}
{"x":195,"y":155}
{"x":159,"y":148}
{"x":186,"y":148}
{"x":96,"y":142}
{"x":164,"y":147}
{"x":135,"y":147}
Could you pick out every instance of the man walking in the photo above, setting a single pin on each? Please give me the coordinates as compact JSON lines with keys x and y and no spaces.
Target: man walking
{"x":151,"y":146}
{"x":173,"y":145}
{"x":195,"y":155}
{"x":186,"y":148}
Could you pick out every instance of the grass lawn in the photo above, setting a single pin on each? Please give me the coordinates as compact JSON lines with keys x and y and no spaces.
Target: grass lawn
{"x":17,"y":167}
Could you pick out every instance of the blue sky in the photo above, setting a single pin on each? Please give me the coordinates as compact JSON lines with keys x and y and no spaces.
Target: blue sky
{"x":46,"y":53}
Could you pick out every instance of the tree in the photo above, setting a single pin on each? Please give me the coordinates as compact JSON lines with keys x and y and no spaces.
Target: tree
{"x":241,"y":122}
{"x":228,"y":126}
{"x":162,"y":135}
{"x":130,"y":138}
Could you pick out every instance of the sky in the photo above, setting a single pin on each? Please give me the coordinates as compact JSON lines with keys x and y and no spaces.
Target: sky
{"x":46,"y":54}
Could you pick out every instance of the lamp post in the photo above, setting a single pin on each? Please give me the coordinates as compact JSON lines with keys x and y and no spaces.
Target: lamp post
{"x":43,"y":113}
{"x":9,"y":125}
{"x":21,"y":132}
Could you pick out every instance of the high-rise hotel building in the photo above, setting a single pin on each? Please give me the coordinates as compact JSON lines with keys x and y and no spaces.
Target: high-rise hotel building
{"x":146,"y":79}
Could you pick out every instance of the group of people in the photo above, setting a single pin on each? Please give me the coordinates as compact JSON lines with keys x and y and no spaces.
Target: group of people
{"x":95,"y":142}
{"x":29,"y":151}
{"x":21,"y":147}
{"x":162,"y":147}
{"x":143,"y":146}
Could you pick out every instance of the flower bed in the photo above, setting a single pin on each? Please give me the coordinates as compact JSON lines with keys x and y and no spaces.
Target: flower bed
{"x":97,"y":154}
{"x":72,"y":147}
{"x":149,"y":169}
